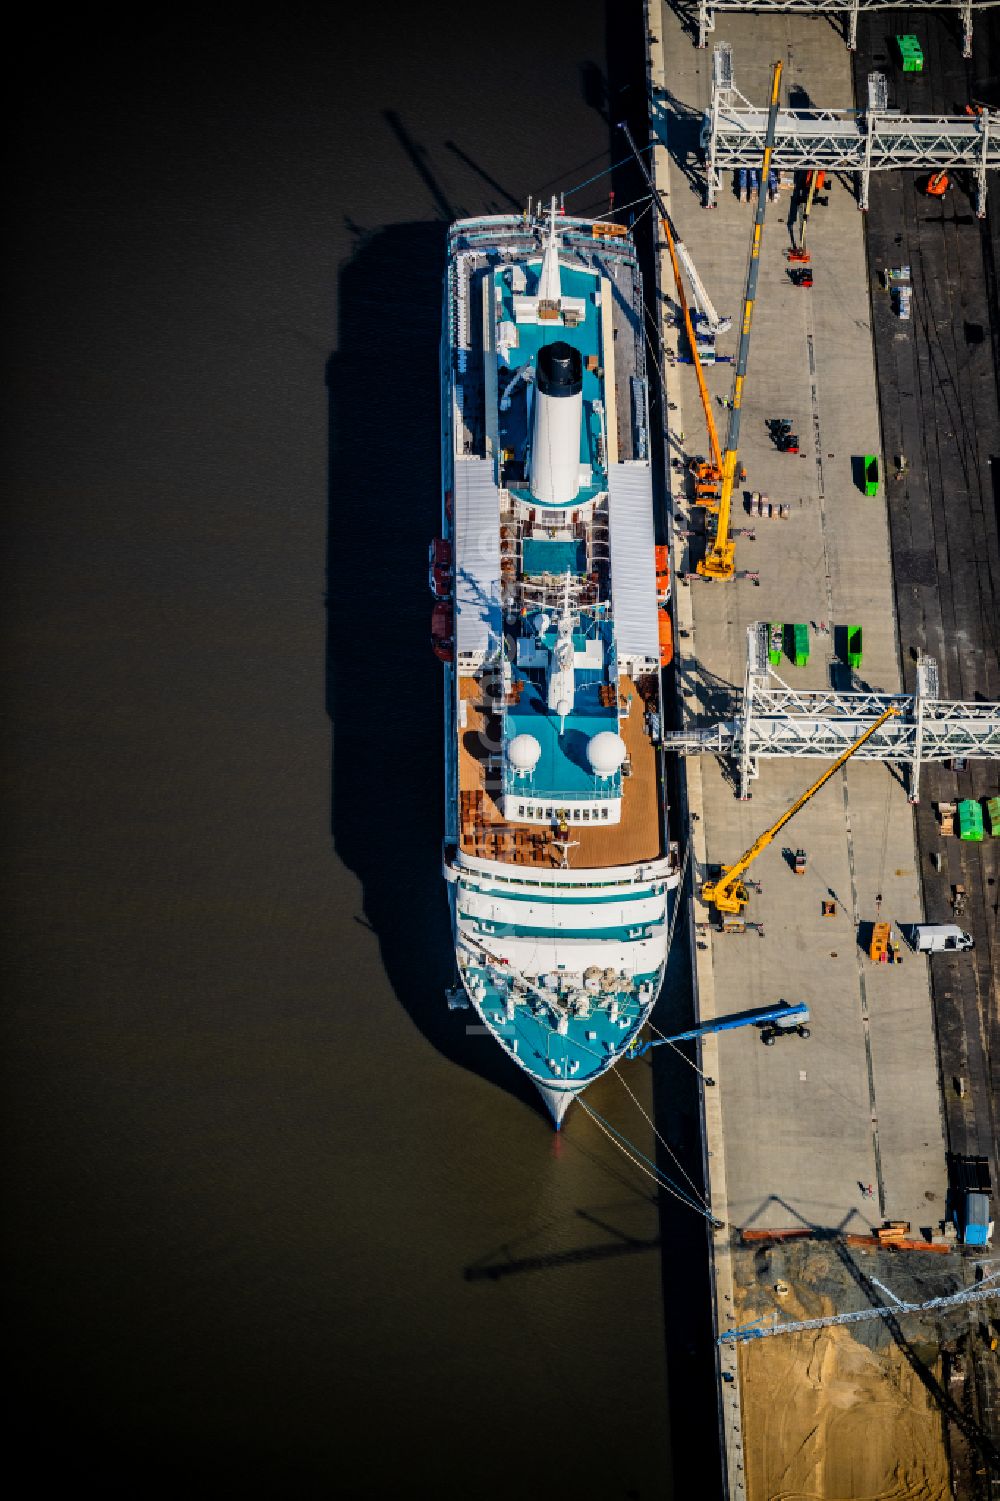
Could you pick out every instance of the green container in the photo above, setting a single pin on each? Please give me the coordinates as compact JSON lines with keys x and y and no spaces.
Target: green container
{"x":871,"y":474}
{"x":970,"y":819}
{"x":854,"y":646}
{"x":799,"y":644}
{"x":993,"y":809}
{"x":910,"y":54}
{"x":775,"y":637}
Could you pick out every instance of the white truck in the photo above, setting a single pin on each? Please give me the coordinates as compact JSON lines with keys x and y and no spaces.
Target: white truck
{"x":941,"y":938}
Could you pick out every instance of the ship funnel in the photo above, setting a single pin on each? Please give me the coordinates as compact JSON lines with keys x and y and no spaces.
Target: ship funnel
{"x":555,"y":440}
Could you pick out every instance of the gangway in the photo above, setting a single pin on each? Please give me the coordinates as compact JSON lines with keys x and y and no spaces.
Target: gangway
{"x":782,"y":1018}
{"x":862,"y":141}
{"x":894,"y":1308}
{"x":774,"y":719}
{"x":708,"y":324}
{"x":848,"y":8}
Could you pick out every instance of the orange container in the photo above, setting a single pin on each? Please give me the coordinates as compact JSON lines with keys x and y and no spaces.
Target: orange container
{"x":666,"y":638}
{"x":878,"y":950}
{"x":662,"y":555}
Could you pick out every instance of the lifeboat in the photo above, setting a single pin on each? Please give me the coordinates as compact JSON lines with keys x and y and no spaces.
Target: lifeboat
{"x":439,"y":572}
{"x":662,"y":574}
{"x":443,"y":631}
{"x":666,"y":637}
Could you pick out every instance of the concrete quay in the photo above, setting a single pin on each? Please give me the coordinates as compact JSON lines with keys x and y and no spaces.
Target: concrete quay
{"x":797,"y":1131}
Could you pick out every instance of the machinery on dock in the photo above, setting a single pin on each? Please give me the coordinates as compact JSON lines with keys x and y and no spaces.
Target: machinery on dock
{"x":780,"y":1020}
{"x":728,"y":893}
{"x":719,"y":560}
{"x":798,"y":255}
{"x":790,"y":1024}
{"x":715,"y":477}
{"x":706,"y":473}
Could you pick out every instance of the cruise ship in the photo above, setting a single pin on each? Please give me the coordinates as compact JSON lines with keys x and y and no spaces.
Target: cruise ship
{"x":551,"y":616}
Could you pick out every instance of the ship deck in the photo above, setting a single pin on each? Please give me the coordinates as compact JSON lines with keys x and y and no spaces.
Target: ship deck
{"x":484,"y":832}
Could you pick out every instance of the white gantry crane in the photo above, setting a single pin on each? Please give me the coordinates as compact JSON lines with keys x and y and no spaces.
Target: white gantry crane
{"x":856,"y":140}
{"x":773,"y":719}
{"x":847,"y":8}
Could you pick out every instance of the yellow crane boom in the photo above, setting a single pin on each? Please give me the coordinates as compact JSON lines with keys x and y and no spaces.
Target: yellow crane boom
{"x":707,"y":476}
{"x":719,"y":561}
{"x":814,"y":178}
{"x":728,"y":893}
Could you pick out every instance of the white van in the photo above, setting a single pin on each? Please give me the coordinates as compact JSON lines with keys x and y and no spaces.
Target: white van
{"x":940,"y":938}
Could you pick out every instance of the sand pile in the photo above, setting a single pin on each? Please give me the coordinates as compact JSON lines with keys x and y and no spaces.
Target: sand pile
{"x":827,"y":1419}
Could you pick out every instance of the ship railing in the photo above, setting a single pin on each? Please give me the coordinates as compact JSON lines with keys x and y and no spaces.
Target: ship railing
{"x":602,"y":789}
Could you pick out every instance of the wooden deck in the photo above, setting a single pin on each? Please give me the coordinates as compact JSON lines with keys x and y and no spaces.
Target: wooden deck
{"x":485,"y":833}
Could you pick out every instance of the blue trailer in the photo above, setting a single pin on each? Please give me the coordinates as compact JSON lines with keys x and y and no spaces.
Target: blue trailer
{"x":969,"y":1193}
{"x":976,"y":1229}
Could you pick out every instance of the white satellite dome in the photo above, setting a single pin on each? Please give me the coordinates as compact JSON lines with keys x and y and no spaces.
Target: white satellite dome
{"x":523,"y":752}
{"x":564,"y":707}
{"x":606,"y":752}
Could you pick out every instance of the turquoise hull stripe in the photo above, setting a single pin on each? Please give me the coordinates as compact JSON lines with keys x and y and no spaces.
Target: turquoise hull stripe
{"x":558,"y":901}
{"x":490,"y":929}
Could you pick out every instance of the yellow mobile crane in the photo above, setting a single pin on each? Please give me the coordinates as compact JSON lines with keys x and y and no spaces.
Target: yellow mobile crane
{"x":719,"y":560}
{"x":707,"y":473}
{"x":729,"y":894}
{"x":799,"y":252}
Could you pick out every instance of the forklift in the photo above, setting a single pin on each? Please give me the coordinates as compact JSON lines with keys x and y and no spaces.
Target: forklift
{"x":800,"y":269}
{"x":784,"y":440}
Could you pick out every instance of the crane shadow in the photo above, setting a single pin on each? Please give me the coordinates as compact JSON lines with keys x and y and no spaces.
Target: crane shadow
{"x":503,"y":1263}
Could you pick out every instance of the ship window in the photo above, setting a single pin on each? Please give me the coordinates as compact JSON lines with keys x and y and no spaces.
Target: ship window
{"x":586,"y":814}
{"x":576,"y":814}
{"x":520,"y":810}
{"x":604,"y":812}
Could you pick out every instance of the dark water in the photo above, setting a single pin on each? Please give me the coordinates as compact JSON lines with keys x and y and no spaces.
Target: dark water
{"x":273,"y":1220}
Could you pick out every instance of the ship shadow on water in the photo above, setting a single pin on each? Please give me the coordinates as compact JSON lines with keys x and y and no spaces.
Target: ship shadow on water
{"x":384,"y":697}
{"x":383,"y":684}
